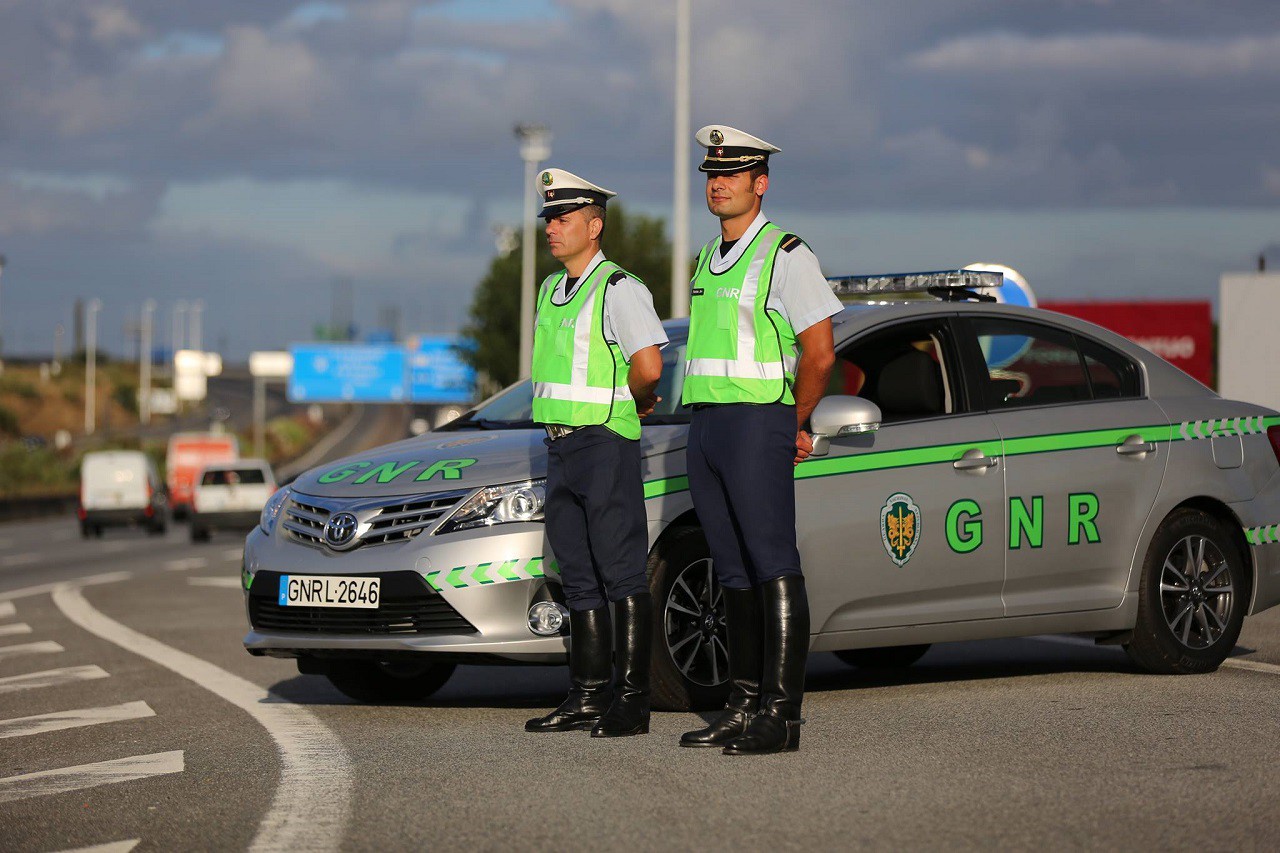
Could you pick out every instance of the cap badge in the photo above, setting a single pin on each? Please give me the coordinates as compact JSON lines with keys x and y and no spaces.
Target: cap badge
{"x":546,"y":179}
{"x":719,"y":152}
{"x":550,"y":194}
{"x":716,"y":137}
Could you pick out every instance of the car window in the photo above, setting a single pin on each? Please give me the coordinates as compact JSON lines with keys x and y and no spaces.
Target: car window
{"x":236,"y":476}
{"x":903,"y":370}
{"x":1029,"y":364}
{"x":512,"y":408}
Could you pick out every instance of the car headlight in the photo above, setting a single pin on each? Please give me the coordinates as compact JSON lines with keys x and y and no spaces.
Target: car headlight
{"x":274,"y":506}
{"x":499,"y":505}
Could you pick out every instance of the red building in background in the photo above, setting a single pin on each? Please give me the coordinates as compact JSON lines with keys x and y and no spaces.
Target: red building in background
{"x":1179,"y":332}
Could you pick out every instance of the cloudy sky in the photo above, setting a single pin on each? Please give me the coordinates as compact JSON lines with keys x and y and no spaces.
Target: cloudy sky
{"x":251,"y":153}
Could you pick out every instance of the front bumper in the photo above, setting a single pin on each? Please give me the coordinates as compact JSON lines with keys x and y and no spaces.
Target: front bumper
{"x":490,"y":578}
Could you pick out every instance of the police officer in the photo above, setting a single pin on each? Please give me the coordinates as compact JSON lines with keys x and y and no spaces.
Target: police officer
{"x":758,"y":292}
{"x":596,"y":367}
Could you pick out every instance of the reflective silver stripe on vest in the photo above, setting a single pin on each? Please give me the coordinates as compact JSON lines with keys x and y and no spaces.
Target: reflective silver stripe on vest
{"x":573,"y":393}
{"x":734,"y":369}
{"x":582,"y":339}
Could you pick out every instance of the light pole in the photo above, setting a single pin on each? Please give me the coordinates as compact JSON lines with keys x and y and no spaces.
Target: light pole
{"x":175,"y":340}
{"x":193,"y":324}
{"x":535,"y":146}
{"x":91,"y":364}
{"x":680,"y":203}
{"x":144,"y":363}
{"x":2,"y":260}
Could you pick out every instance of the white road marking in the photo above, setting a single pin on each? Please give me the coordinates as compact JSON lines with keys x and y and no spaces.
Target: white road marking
{"x":59,"y":720}
{"x":14,"y":628}
{"x":19,"y":559}
{"x":229,"y":583}
{"x":90,"y":775}
{"x":7,"y":609}
{"x":236,"y":554}
{"x":313,"y":798}
{"x":113,"y":847}
{"x":45,"y":588}
{"x":44,"y":647}
{"x":187,"y":563}
{"x":51,"y":678}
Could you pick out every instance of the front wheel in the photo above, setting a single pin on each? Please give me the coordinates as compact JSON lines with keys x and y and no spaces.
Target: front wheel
{"x":690,"y":663}
{"x":388,"y":681}
{"x":1192,"y":596}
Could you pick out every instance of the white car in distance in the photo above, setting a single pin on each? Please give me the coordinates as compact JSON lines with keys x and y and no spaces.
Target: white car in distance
{"x":230,"y":496}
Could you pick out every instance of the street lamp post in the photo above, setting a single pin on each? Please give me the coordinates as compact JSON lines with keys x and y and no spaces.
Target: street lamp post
{"x":144,"y":363}
{"x":2,"y":260}
{"x":193,"y":324}
{"x":680,"y":203}
{"x":91,"y":364}
{"x":535,"y":146}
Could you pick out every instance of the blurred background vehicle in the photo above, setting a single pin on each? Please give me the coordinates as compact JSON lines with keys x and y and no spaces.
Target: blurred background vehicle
{"x":230,"y":496}
{"x":121,"y":488}
{"x":187,"y":456}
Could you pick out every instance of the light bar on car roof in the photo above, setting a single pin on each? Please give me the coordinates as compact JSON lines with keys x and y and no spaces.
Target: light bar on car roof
{"x":914,"y":282}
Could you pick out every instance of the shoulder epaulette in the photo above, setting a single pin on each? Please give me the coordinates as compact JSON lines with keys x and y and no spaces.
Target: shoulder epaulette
{"x":790,"y":242}
{"x":621,"y":274}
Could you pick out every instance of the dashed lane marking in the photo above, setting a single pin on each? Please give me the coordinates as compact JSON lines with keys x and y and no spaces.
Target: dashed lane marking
{"x":46,"y":588}
{"x":14,"y":629}
{"x":44,"y":647}
{"x":58,"y":720}
{"x":313,"y":796}
{"x":19,"y":559}
{"x":90,"y":775}
{"x":187,"y":563}
{"x":228,"y":583}
{"x":51,"y":678}
{"x":113,"y":847}
{"x":236,"y":554}
{"x":7,"y":610}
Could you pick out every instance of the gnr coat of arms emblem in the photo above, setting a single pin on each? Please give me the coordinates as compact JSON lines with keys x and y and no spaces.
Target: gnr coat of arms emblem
{"x":900,"y":527}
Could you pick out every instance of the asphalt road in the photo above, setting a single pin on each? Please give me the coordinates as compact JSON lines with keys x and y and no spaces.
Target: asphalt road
{"x":180,"y":740}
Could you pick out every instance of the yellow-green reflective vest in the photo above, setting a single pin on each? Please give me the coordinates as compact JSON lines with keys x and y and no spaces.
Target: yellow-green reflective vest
{"x":579,"y":377}
{"x":738,"y":351}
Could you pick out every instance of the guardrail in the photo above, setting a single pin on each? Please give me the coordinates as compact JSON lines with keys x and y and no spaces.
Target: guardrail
{"x":18,"y":508}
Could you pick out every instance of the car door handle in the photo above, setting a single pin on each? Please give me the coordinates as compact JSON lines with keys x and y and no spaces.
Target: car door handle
{"x":974,"y":460}
{"x":1135,"y":446}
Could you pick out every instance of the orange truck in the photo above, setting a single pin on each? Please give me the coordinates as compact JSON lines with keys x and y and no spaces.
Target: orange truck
{"x":187,"y":456}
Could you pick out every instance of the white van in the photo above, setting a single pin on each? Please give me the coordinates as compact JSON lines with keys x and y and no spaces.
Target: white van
{"x":120,"y":488}
{"x":230,"y":496}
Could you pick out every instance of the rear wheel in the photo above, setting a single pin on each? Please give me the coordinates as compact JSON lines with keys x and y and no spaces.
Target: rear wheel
{"x":388,"y":681}
{"x":690,"y":669}
{"x":1192,"y":596}
{"x":891,"y":657}
{"x":199,"y":533}
{"x":86,"y":530}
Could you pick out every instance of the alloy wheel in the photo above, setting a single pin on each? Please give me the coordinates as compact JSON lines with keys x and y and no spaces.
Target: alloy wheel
{"x":694,"y":622}
{"x":1196,"y":592}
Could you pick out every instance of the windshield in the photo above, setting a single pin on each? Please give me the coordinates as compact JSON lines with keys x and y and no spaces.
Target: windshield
{"x":512,"y":408}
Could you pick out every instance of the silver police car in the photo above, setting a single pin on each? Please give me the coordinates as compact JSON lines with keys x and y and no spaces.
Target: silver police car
{"x":980,"y":470}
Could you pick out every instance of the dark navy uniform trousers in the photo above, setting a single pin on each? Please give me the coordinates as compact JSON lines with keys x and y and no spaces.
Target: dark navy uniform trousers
{"x":595,"y":516}
{"x":742,"y":480}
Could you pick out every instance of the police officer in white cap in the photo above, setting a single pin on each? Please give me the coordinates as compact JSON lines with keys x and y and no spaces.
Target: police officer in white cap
{"x":758,"y":294}
{"x":596,"y":366}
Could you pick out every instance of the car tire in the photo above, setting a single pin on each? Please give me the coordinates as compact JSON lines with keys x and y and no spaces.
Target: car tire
{"x":199,"y":533}
{"x":685,"y":678}
{"x":158,"y":529}
{"x":97,"y":531}
{"x":85,"y":530}
{"x":388,"y":681}
{"x":1191,"y":598}
{"x":889,"y":657}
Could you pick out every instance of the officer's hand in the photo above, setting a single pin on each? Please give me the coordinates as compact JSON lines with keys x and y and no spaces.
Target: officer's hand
{"x":646,"y":406}
{"x":804,"y":446}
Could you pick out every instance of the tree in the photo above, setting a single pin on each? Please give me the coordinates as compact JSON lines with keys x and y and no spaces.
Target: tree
{"x":638,"y":243}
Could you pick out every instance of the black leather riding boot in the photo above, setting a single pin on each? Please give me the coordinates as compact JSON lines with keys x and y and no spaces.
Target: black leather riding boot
{"x":633,"y":638}
{"x":786,"y":649}
{"x":589,"y":652}
{"x":742,"y":623}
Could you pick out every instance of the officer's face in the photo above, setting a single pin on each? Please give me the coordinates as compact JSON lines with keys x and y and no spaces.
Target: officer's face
{"x":571,"y":234}
{"x":733,"y":195}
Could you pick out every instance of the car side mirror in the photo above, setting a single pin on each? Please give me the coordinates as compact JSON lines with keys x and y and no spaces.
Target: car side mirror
{"x":839,"y":415}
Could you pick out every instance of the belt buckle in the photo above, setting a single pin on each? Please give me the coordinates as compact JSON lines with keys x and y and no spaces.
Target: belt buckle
{"x":555,"y":431}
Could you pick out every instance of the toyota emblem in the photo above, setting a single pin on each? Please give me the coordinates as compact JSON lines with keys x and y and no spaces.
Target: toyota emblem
{"x":340,"y":530}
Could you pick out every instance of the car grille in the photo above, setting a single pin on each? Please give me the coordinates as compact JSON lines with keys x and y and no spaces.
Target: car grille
{"x":407,"y":606}
{"x":382,"y":521}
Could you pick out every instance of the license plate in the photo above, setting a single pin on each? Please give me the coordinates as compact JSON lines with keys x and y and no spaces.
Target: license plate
{"x":328,"y":591}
